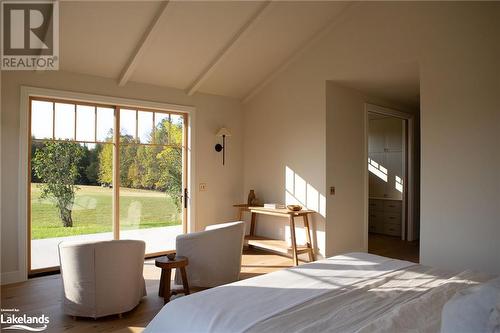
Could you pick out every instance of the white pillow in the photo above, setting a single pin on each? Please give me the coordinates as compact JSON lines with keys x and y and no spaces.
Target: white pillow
{"x":476,"y":309}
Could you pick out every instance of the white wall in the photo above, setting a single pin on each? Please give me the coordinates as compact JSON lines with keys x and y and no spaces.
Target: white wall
{"x":456,"y":46}
{"x":346,"y":165}
{"x":212,"y":112}
{"x":281,"y":132}
{"x":460,"y":199}
{"x":345,"y":169}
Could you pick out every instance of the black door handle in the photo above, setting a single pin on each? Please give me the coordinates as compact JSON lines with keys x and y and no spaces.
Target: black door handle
{"x":185,"y":198}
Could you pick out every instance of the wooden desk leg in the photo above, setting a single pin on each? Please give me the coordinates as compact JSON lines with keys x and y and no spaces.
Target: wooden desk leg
{"x":167,"y":274}
{"x":308,"y":237}
{"x":294,"y":241}
{"x":240,"y":214}
{"x":252,"y":224}
{"x":184,"y":280}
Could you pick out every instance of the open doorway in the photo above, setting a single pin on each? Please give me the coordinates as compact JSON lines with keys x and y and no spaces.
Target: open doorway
{"x":392,"y":226}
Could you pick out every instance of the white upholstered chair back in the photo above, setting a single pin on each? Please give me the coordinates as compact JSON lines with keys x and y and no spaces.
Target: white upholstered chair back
{"x":214,"y":254}
{"x":102,"y":278}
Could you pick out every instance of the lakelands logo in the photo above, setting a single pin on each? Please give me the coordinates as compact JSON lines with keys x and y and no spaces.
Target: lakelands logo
{"x":11,"y":319}
{"x":30,"y":35}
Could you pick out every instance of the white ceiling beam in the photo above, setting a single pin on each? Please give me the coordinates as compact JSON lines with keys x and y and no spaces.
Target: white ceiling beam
{"x":226,"y":50}
{"x":299,"y":52}
{"x":143,"y":44}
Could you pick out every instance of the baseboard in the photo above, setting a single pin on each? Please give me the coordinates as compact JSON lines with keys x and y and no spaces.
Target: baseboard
{"x":11,"y":277}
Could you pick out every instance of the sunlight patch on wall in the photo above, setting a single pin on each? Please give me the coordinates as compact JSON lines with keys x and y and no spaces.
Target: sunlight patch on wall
{"x":399,"y":184}
{"x":299,"y":192}
{"x":312,"y":193}
{"x":289,"y":179}
{"x":377,"y":169}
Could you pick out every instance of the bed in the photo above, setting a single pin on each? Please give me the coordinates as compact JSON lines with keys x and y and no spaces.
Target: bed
{"x":355,"y":292}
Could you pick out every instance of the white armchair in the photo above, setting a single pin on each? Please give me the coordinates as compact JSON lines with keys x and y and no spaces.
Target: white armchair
{"x":101,"y":278}
{"x":214,"y":254}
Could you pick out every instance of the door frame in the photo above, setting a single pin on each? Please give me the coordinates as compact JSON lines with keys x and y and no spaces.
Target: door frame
{"x":27,"y":92}
{"x":408,"y":228}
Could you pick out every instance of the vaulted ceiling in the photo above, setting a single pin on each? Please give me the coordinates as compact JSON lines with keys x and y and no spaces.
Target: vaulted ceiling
{"x":228,"y":48}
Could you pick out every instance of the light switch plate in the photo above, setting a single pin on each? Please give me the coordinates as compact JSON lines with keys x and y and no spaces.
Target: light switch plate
{"x":203,"y":187}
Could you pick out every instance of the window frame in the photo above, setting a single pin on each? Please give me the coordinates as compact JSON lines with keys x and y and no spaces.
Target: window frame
{"x":31,"y":93}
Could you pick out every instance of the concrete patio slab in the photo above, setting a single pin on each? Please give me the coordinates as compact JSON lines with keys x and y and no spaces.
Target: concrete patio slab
{"x":44,"y":252}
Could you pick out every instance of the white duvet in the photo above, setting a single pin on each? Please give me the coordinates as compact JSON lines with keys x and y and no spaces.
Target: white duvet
{"x":356,"y":292}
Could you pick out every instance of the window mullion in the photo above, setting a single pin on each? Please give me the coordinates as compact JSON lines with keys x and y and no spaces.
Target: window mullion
{"x":136,"y":124}
{"x":153,"y":132}
{"x":53,"y":120}
{"x":74,"y":130}
{"x":169,"y":128}
{"x":116,"y":175}
{"x":95,"y":123}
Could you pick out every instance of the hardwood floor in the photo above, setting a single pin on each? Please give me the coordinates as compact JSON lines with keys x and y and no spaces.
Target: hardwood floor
{"x":43,"y":296}
{"x":393,"y":247}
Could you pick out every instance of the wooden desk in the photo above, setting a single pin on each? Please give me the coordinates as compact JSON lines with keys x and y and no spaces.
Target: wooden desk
{"x":275,"y":244}
{"x":246,"y":208}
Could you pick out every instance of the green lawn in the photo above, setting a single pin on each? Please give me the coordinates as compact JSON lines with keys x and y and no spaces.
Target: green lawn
{"x":92,"y":212}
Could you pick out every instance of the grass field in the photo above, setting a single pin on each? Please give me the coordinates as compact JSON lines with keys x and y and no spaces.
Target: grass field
{"x":92,"y":212}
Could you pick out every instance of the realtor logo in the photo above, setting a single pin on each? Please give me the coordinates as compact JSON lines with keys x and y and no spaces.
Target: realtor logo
{"x":11,"y":319}
{"x":30,"y":35}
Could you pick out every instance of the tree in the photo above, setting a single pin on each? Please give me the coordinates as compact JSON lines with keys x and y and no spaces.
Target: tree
{"x":128,"y":155}
{"x":144,"y":173}
{"x":106,"y":164}
{"x":92,"y":169}
{"x":35,"y":145}
{"x":170,"y":162}
{"x":147,"y":167}
{"x":84,"y":162}
{"x":57,"y":165}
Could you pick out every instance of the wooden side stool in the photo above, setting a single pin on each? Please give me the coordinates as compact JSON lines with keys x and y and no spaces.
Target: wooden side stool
{"x":166,"y":266}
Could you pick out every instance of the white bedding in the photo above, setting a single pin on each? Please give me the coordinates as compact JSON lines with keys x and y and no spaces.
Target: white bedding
{"x":356,"y":292}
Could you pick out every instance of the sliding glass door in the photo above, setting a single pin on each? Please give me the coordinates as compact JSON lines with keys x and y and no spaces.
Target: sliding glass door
{"x":90,"y":181}
{"x":151,"y":177}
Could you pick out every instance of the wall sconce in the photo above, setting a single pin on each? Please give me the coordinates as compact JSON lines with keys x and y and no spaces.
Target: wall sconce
{"x":223,"y":132}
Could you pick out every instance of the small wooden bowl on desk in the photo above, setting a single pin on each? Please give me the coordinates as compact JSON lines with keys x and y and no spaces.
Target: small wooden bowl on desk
{"x":294,"y":208}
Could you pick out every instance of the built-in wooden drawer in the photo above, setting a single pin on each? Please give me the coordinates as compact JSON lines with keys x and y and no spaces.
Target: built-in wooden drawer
{"x":375,"y":217}
{"x":392,"y":206}
{"x":384,"y":216}
{"x":376,"y":205}
{"x":392,"y":229}
{"x":392,"y":218}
